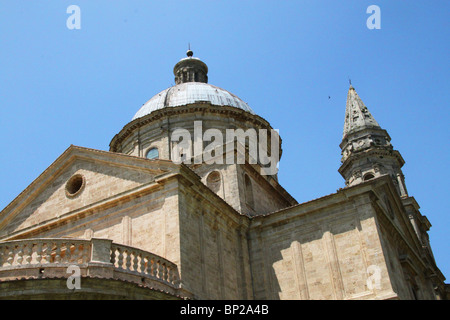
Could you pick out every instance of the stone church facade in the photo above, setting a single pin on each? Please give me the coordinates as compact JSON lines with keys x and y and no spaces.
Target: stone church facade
{"x":129,"y":223}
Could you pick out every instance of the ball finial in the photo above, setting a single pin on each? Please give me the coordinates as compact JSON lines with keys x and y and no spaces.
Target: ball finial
{"x":189,"y":53}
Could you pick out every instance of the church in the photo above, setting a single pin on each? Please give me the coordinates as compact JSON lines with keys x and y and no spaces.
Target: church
{"x":133,"y":223}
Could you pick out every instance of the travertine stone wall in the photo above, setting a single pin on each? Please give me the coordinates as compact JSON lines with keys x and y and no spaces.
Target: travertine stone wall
{"x":318,"y":251}
{"x":214,"y":258}
{"x":358,"y":243}
{"x":266,"y":197}
{"x":101,"y":181}
{"x":229,"y":190}
{"x":343,"y":246}
{"x":156,"y":130}
{"x":406,"y":261}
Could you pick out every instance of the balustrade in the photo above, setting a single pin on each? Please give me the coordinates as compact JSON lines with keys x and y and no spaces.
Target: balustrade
{"x":44,"y":251}
{"x":133,"y":260}
{"x":59,"y":252}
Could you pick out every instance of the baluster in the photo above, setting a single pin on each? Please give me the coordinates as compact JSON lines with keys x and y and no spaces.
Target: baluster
{"x":160,"y":270}
{"x":113,"y":256}
{"x":58,"y":252}
{"x":143,"y":264}
{"x":128,"y":261}
{"x":62,"y":252}
{"x":51,"y":252}
{"x":45,"y":253}
{"x":10,"y":255}
{"x":68,"y":253}
{"x":27,"y":252}
{"x":3,"y":255}
{"x":120,"y":262}
{"x":19,"y":254}
{"x":165,"y":272}
{"x":170,"y":274}
{"x":152,"y":267}
{"x":38,"y":256}
{"x":135,"y":261}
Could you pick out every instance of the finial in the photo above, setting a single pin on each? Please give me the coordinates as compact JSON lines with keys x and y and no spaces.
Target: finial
{"x":350,"y":82}
{"x":189,"y":53}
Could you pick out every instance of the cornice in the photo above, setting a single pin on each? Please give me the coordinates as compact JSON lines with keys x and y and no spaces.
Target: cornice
{"x":230,"y":112}
{"x":356,"y":155}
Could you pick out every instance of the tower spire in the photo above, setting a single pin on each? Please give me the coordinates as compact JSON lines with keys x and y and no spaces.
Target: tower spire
{"x":366,"y":148}
{"x":357,"y":115}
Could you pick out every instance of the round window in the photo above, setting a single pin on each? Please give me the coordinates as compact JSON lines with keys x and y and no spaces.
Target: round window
{"x":152,"y":153}
{"x":75,"y":185}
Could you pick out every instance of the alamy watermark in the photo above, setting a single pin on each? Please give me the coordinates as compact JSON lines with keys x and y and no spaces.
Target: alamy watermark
{"x":374,"y":279}
{"x":374,"y":20}
{"x":208,"y":147}
{"x":74,"y":20}
{"x":74,"y":280}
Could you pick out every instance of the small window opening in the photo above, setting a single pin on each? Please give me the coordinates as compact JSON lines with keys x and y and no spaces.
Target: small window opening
{"x":153,"y":153}
{"x":74,"y":185}
{"x":213,"y":181}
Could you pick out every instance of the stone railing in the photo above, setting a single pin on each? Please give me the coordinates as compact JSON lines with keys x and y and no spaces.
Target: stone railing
{"x":100,"y":258}
{"x":43,"y":252}
{"x":129,"y":259}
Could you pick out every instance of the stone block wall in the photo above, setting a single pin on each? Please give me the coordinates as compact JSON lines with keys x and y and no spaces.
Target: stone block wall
{"x":214,"y":258}
{"x":321,"y":250}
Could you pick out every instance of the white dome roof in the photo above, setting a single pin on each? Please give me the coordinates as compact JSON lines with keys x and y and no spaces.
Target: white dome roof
{"x":189,"y":93}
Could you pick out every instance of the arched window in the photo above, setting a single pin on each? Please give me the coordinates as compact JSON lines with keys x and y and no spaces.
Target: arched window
{"x":213,"y":181}
{"x":368,"y":176}
{"x":249,"y":192}
{"x":152,"y":153}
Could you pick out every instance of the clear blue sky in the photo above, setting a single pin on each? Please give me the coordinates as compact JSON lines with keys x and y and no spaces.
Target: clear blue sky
{"x":284,"y":58}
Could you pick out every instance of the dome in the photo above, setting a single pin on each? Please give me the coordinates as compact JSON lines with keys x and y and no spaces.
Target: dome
{"x":191,"y":86}
{"x":190,"y":99}
{"x":189,"y":93}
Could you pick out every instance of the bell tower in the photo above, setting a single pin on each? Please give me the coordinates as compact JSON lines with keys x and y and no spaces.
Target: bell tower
{"x":366,"y":148}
